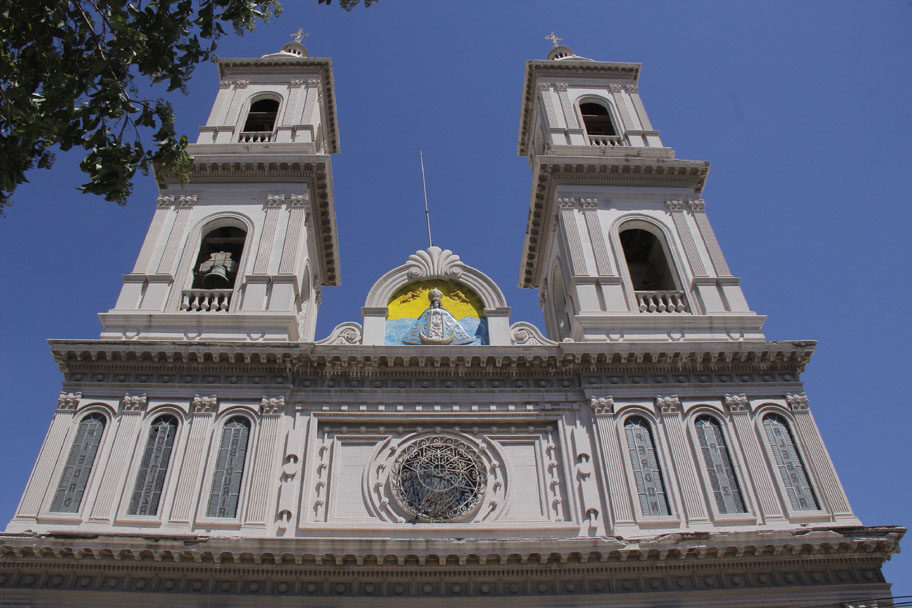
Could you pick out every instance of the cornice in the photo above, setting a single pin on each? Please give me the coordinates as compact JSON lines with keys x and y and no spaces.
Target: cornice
{"x":309,"y":358}
{"x":539,"y":68}
{"x":872,"y":542}
{"x":551,"y":171}
{"x":265,"y":65}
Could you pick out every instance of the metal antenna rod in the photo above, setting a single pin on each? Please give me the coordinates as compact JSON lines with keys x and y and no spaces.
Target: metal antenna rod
{"x":427,"y":213}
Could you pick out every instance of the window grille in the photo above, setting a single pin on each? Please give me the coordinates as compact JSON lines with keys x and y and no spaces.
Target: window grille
{"x":791,"y":468}
{"x":439,"y":478}
{"x":229,"y":469}
{"x":719,"y":466}
{"x":78,"y":466}
{"x":154,"y":467}
{"x":646,"y":471}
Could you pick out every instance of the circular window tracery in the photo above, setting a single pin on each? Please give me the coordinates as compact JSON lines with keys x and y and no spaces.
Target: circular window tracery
{"x":439,"y":478}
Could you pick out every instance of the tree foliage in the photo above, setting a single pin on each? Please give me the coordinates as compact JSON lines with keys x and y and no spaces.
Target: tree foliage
{"x":71,"y":72}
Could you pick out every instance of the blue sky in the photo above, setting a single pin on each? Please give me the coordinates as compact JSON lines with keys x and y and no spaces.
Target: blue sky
{"x":801,"y":107}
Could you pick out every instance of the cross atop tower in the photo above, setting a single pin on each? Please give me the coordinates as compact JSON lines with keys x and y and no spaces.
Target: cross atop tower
{"x":299,"y":35}
{"x":553,"y":38}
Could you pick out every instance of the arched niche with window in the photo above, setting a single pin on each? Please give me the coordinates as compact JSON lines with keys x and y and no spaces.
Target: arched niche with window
{"x":219,"y":258}
{"x":791,"y":467}
{"x":153,"y":468}
{"x":78,"y":467}
{"x":647,"y":473}
{"x":650,"y":270}
{"x":261,"y":120}
{"x":600,"y":128}
{"x":718,"y":465}
{"x":229,"y":468}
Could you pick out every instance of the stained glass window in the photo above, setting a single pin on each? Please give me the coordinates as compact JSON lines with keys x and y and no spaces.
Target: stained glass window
{"x":154,"y":467}
{"x":646,"y":472}
{"x":719,"y":467}
{"x":229,"y":469}
{"x":791,"y":468}
{"x":78,"y":466}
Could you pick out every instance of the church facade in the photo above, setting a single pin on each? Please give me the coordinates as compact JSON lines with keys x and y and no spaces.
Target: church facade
{"x":649,"y":448}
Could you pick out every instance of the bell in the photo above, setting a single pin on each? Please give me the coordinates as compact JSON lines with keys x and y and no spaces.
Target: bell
{"x":216,"y":269}
{"x":216,"y":278}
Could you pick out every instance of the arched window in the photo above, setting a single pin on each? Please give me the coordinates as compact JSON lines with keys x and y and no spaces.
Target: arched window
{"x":154,"y":467}
{"x":645,"y":256}
{"x":262,"y":116}
{"x":597,"y":119}
{"x":788,"y":460}
{"x":650,"y":272}
{"x":229,"y":469}
{"x":79,"y":465}
{"x":646,"y":472}
{"x":719,"y":467}
{"x":219,"y":255}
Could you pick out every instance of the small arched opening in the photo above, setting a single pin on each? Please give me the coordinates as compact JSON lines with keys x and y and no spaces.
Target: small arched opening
{"x":260,"y":121}
{"x":599,"y":126}
{"x":650,"y":272}
{"x":219,"y":257}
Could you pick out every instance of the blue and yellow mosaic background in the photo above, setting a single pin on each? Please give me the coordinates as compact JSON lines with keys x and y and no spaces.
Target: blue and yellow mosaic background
{"x":411,"y":300}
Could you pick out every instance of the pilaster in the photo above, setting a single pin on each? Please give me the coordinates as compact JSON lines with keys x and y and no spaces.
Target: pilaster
{"x":126,"y":444}
{"x":202,"y":415}
{"x":831,"y":494}
{"x":263,"y":462}
{"x":698,"y":209}
{"x":676,"y":210}
{"x":670,"y":410}
{"x":757,"y":474}
{"x":615,"y":479}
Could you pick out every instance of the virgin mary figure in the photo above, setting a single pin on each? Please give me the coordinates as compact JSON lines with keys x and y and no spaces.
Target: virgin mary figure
{"x":436,"y":325}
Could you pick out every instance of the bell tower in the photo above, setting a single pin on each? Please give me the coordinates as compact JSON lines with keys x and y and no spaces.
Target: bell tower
{"x":242,"y":251}
{"x":618,"y":242}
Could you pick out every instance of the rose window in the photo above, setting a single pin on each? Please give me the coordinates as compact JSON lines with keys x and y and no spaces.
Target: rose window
{"x":439,"y":478}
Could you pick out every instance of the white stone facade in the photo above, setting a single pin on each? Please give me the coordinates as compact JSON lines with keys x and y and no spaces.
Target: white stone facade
{"x":651,"y":449}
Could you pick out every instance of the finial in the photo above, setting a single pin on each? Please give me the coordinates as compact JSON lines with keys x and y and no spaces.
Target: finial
{"x":553,"y":38}
{"x":299,"y":35}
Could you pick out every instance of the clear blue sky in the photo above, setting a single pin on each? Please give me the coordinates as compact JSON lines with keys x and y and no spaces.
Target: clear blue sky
{"x":801,"y":107}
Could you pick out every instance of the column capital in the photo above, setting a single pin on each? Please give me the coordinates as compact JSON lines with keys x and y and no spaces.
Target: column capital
{"x":668,"y":404}
{"x":68,"y":401}
{"x":737,"y":403}
{"x":275,"y":200}
{"x":301,"y":199}
{"x":602,"y":405}
{"x":272,"y":406}
{"x":163,"y":201}
{"x":187,"y":200}
{"x":696,"y":205}
{"x":797,"y":402}
{"x":674,"y":205}
{"x":204,"y":404}
{"x":133,"y":404}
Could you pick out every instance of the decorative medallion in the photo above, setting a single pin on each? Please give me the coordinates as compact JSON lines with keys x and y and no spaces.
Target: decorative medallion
{"x":439,"y":478}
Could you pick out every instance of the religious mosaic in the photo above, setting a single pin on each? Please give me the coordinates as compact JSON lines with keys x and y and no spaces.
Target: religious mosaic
{"x":435,"y":312}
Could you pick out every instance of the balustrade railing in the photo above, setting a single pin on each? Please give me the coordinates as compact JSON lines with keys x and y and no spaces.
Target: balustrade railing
{"x":205,"y":300}
{"x":605,"y":140}
{"x":661,"y":301}
{"x":255,"y":137}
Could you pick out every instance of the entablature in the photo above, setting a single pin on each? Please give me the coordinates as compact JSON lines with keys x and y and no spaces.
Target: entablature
{"x":876,"y":543}
{"x":301,"y":359}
